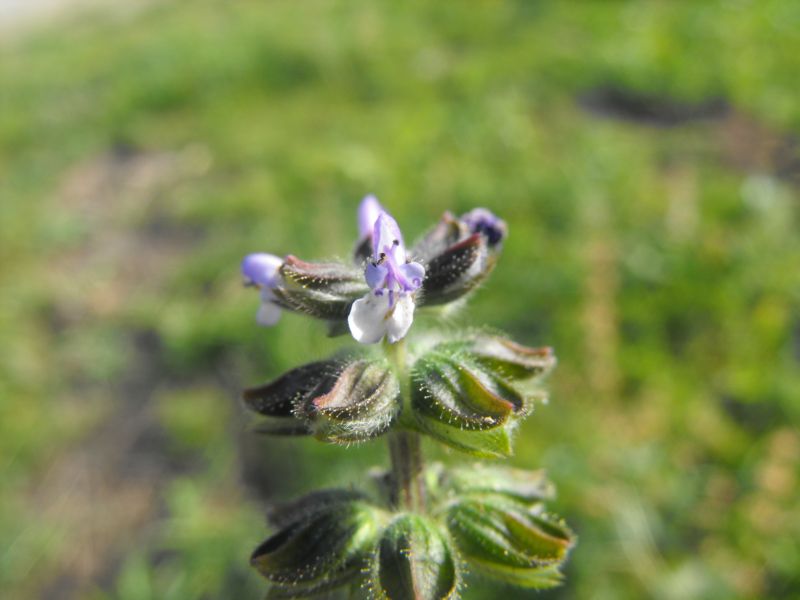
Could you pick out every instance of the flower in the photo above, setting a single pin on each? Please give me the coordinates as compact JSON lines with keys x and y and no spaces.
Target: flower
{"x":481,"y":220}
{"x":368,"y":212}
{"x":388,"y":308}
{"x":263,"y":271}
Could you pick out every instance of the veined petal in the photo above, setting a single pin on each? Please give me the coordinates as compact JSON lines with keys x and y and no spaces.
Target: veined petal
{"x":261,"y":269}
{"x":375,"y":275}
{"x":400,"y":319}
{"x":387,"y":239}
{"x":368,"y":212}
{"x":367,"y":318}
{"x":413,"y":273}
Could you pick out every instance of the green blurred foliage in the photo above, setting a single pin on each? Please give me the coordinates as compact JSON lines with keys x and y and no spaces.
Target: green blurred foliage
{"x":143,"y":152}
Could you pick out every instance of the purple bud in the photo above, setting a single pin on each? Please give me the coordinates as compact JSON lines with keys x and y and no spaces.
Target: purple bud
{"x":261,"y":269}
{"x":368,"y":212}
{"x":481,"y":220}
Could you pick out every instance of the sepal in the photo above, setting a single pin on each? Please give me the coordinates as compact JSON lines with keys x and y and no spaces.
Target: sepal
{"x":414,"y":560}
{"x":325,"y":542}
{"x":528,"y":487}
{"x":459,"y":253}
{"x":506,"y":540}
{"x":337,"y":401}
{"x":321,"y":290}
{"x":362,"y":404}
{"x":471,"y":393}
{"x":457,"y":271}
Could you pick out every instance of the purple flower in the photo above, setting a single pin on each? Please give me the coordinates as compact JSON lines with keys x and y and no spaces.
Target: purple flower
{"x":263,"y":271}
{"x":368,"y":212}
{"x":388,"y":309}
{"x":481,"y":220}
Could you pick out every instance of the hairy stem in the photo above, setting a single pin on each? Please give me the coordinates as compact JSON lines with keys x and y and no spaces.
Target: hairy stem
{"x":405,"y":447}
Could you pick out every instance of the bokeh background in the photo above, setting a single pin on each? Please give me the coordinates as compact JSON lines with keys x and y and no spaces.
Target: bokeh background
{"x":645,"y":155}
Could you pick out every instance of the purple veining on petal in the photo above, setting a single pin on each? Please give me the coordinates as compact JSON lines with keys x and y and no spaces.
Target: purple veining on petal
{"x":481,"y":220}
{"x":376,"y":275}
{"x":388,"y":309}
{"x":261,"y":269}
{"x":387,"y":239}
{"x":388,"y":270}
{"x":368,"y":212}
{"x":413,"y":273}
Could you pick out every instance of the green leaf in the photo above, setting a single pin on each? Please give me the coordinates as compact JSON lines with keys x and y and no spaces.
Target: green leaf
{"x":414,"y":561}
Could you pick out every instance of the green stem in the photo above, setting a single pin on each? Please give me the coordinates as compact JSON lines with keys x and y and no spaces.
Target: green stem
{"x":405,"y":447}
{"x":408,"y":480}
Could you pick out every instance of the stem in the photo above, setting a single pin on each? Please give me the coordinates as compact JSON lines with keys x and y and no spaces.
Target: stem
{"x":405,"y":447}
{"x":407,"y":471}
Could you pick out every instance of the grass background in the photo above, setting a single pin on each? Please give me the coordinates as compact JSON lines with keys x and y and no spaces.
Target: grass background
{"x":644,"y":154}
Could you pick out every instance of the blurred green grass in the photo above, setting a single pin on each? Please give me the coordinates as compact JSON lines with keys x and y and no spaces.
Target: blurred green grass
{"x":141,"y":155}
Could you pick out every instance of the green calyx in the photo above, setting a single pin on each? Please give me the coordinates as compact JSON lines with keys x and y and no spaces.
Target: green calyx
{"x":469,"y":393}
{"x":413,"y":559}
{"x":485,"y":520}
{"x":324,"y":542}
{"x":472,"y":392}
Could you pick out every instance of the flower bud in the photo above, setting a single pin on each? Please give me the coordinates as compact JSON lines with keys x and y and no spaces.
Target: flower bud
{"x":457,"y":271}
{"x":459,"y":254}
{"x":324,"y":543}
{"x":505,"y":540}
{"x":414,"y":560}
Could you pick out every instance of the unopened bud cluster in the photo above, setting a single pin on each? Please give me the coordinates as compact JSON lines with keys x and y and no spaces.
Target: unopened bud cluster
{"x":467,"y":390}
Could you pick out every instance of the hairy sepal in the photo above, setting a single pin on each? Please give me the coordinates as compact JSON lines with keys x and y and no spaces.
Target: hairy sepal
{"x":338,"y":401}
{"x":414,"y":560}
{"x":326,"y":545}
{"x":471,"y":393}
{"x":322,"y":290}
{"x":507,"y":540}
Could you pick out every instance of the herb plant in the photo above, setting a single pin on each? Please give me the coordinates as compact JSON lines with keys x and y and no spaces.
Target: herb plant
{"x":414,"y":530}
